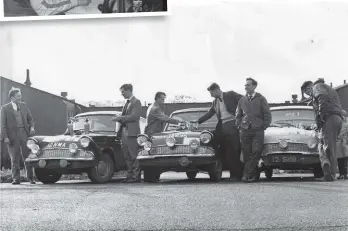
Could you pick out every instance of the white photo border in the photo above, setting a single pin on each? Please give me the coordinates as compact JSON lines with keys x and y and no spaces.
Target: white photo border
{"x":80,"y":16}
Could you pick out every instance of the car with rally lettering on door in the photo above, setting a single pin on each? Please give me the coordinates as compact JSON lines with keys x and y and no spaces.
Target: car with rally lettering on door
{"x":189,"y":148}
{"x":90,"y":146}
{"x":291,"y":142}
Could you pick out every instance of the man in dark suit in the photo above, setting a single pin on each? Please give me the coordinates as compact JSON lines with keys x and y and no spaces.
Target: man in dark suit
{"x":16,"y":125}
{"x":129,"y":130}
{"x":224,"y":106}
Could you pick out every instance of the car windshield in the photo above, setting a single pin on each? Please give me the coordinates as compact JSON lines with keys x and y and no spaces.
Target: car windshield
{"x":293,"y":117}
{"x":189,"y":116}
{"x":101,"y":123}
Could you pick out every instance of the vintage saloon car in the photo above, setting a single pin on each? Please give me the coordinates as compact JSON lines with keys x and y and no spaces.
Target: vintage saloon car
{"x":98,"y":153}
{"x":291,"y":142}
{"x":187,"y":148}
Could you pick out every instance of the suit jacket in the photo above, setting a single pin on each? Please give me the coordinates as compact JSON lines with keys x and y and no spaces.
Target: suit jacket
{"x":231,"y":100}
{"x":132,"y":117}
{"x":156,"y":119}
{"x":9,"y":127}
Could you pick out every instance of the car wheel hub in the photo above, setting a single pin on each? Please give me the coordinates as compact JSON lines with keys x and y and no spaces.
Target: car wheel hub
{"x":102,"y":168}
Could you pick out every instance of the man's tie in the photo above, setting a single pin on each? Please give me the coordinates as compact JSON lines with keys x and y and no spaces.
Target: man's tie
{"x":220,"y":99}
{"x":125,"y":107}
{"x":250,"y":97}
{"x":18,"y":108}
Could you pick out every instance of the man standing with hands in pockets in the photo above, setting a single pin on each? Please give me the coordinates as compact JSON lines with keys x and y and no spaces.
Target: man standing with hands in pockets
{"x":253,"y":117}
{"x":16,"y":126}
{"x":129,"y":131}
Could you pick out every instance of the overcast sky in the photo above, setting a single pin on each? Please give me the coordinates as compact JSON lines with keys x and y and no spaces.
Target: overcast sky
{"x":279,"y":44}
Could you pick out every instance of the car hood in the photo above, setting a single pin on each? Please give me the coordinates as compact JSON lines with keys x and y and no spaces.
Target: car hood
{"x":181,"y":137}
{"x":290,"y":134}
{"x":63,"y":141}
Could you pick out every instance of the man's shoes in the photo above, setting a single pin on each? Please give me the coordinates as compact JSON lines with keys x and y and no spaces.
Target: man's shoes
{"x":134,"y":181}
{"x":234,"y":179}
{"x":249,"y":179}
{"x":126,"y":180}
{"x":252,"y":179}
{"x":327,"y":172}
{"x":16,"y":182}
{"x":32,"y":182}
{"x":342,"y":177}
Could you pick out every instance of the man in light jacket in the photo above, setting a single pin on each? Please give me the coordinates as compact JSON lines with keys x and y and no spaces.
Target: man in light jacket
{"x":155,"y":117}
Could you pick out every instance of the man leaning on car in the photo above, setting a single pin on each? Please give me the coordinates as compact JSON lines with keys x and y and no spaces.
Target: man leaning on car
{"x":155,"y":117}
{"x":253,"y":117}
{"x":224,"y":106}
{"x":328,"y":109}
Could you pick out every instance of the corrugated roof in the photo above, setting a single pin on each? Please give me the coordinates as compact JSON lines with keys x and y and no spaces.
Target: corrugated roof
{"x":45,"y":92}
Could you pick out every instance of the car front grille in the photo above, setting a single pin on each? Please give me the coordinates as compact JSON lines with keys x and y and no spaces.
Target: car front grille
{"x":63,"y":153}
{"x":292,"y":147}
{"x":180,"y":149}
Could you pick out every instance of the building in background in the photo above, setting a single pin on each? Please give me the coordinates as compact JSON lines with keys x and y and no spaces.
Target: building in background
{"x":50,"y":111}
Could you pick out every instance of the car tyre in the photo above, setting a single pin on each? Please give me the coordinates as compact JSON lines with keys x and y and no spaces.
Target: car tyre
{"x":318,"y":172}
{"x":103,"y":171}
{"x":215,"y":172}
{"x":269,"y":173}
{"x":191,"y":174}
{"x":47,"y":176}
{"x":151,"y":175}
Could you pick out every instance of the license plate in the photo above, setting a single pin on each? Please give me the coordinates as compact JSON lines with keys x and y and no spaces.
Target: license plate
{"x":285,"y":159}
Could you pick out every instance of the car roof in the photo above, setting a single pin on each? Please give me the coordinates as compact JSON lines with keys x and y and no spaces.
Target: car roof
{"x":191,"y":110}
{"x":291,"y":107}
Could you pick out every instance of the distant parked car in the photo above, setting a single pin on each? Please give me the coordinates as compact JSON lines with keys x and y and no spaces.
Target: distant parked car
{"x":97,"y":153}
{"x":291,"y":143}
{"x":184,"y":148}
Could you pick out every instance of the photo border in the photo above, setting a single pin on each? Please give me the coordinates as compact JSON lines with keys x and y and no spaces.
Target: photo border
{"x":80,"y":16}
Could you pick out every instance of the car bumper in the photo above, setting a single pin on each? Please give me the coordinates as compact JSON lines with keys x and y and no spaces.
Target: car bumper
{"x":61,"y":163}
{"x":290,"y":160}
{"x":177,"y":161}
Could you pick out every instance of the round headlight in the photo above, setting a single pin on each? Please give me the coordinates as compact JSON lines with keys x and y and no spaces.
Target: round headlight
{"x":205,"y":137}
{"x":147,"y":146}
{"x":283,"y":143}
{"x":142,"y":139}
{"x":73,"y":148}
{"x":85,"y":142}
{"x":35,"y":149}
{"x":170,"y":141}
{"x":312,"y":144}
{"x":194,"y":144}
{"x":30,"y":143}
